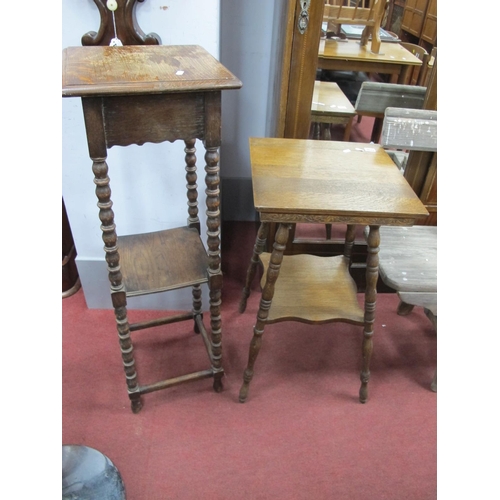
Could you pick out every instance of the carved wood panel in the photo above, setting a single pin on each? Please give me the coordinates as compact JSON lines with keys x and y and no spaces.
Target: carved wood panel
{"x":127,"y":28}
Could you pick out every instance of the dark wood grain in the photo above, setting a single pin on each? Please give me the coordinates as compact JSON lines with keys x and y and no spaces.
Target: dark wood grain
{"x":127,"y":28}
{"x":139,"y":94}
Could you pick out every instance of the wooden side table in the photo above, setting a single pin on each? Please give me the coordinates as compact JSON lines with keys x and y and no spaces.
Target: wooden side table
{"x":392,"y":59}
{"x":330,"y":106}
{"x":321,"y":182}
{"x":139,"y":94}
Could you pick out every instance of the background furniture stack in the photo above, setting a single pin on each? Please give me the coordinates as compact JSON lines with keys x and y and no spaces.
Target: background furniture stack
{"x":339,"y":12}
{"x":408,"y":258}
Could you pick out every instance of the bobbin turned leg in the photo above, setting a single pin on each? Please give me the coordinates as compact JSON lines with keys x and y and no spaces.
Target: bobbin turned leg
{"x":265,"y":304}
{"x":127,"y":350}
{"x":212,"y":181}
{"x":370,"y":301}
{"x":258,"y":248}
{"x":193,"y":220}
{"x":118,"y":297}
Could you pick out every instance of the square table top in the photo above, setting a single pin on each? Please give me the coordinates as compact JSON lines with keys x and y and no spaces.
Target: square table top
{"x":391,"y":53}
{"x":142,"y":69}
{"x":298,"y":180}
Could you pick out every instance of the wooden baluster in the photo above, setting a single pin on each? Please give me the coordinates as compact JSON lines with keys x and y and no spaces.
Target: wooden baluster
{"x":370,"y":301}
{"x":97,"y":151}
{"x":192,"y":186}
{"x":349,"y":241}
{"x":212,"y":181}
{"x":258,"y":248}
{"x":265,"y":304}
{"x":193,"y":219}
{"x":118,"y":297}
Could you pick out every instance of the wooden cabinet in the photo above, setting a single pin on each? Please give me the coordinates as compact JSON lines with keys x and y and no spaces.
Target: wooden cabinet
{"x":429,"y":29}
{"x":420,"y":21}
{"x":413,"y":16}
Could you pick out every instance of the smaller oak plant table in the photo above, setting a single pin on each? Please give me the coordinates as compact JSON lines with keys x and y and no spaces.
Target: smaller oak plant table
{"x":324,"y":182}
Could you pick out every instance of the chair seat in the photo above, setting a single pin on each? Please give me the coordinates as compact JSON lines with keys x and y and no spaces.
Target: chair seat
{"x":408,"y":258}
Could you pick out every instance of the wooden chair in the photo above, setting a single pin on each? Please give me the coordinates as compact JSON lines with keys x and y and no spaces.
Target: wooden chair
{"x":330,"y":106}
{"x":375,"y":97}
{"x":408,"y":255}
{"x":359,"y":12}
{"x":419,"y":74}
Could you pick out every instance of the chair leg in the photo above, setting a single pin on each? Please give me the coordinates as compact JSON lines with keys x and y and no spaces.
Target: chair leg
{"x":434,"y":382}
{"x":404,"y":308}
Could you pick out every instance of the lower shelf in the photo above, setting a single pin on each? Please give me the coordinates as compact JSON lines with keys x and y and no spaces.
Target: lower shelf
{"x":162,"y":260}
{"x":313,"y":289}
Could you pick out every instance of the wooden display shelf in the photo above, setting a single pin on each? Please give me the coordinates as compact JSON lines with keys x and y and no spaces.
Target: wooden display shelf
{"x":313,"y":290}
{"x":162,"y":260}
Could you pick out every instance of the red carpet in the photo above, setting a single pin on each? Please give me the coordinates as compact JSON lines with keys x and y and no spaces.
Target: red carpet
{"x":302,"y":434}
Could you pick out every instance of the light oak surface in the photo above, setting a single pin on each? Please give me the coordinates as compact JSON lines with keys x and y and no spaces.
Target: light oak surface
{"x":318,"y":181}
{"x":330,"y":106}
{"x":391,"y":59}
{"x":313,"y":289}
{"x":321,"y":181}
{"x":391,"y":53}
{"x":330,"y":101}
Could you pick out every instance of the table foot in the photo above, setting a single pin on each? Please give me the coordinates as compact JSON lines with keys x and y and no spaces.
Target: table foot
{"x":135,"y":403}
{"x":247,"y":377}
{"x":363,"y":390}
{"x":218,"y":387}
{"x":404,"y":309}
{"x":243,"y":302}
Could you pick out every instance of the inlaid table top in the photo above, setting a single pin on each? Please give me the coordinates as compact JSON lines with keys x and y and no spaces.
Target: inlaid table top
{"x":142,"y":69}
{"x":296,"y":180}
{"x":351,"y":50}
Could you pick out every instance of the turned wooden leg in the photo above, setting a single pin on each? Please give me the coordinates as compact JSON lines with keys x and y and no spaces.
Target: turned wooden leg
{"x":197,"y":310}
{"x":265,"y":304}
{"x":404,"y":308}
{"x":316,"y":131}
{"x":193,"y":220}
{"x":326,"y":134}
{"x":127,"y":350}
{"x":212,"y":181}
{"x":349,"y":240}
{"x":106,"y":215}
{"x":348,"y":128}
{"x":258,"y":248}
{"x":370,"y":301}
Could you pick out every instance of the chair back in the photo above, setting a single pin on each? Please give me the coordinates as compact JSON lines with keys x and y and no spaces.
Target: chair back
{"x":418,"y":76}
{"x":410,"y":129}
{"x":354,"y":11}
{"x":375,"y":97}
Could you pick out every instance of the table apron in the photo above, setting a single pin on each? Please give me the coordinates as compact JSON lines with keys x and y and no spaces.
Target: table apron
{"x":367,"y":67}
{"x":340,"y":219}
{"x":153,"y":118}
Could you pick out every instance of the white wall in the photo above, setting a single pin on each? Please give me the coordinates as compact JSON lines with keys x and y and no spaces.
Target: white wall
{"x":248,"y":41}
{"x":154,"y":198}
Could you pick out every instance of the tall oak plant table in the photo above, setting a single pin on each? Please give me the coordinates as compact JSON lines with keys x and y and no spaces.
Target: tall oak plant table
{"x":133,"y":95}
